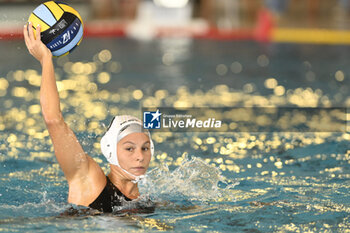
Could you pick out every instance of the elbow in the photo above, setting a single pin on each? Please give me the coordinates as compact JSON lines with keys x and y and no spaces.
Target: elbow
{"x":51,"y":122}
{"x":51,"y":115}
{"x":53,"y":119}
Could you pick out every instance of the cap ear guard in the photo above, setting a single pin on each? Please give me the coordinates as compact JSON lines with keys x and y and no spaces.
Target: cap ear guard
{"x":151,"y":145}
{"x":108,"y":147}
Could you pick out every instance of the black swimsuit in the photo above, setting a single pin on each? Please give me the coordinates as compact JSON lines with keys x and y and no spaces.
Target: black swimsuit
{"x":109,"y":198}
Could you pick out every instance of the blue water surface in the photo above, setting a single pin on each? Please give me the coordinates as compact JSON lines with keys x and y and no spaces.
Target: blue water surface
{"x":201,"y":181}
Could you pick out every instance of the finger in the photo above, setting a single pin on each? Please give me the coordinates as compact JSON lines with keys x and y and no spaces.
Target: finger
{"x":31,"y":33}
{"x":25,"y":34}
{"x":38,"y":30}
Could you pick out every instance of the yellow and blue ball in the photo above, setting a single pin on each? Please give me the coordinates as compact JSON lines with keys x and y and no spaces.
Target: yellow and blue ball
{"x":61,"y":26}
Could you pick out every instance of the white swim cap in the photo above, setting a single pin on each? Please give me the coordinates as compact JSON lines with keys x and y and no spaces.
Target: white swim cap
{"x":120,"y":127}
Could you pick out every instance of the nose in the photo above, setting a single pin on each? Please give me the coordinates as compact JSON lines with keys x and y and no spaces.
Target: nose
{"x":139,"y":155}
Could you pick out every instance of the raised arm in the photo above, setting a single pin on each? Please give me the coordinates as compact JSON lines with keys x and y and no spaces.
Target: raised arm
{"x":75,"y":163}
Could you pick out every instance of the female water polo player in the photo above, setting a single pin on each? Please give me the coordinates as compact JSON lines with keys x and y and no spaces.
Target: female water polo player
{"x":127,"y":147}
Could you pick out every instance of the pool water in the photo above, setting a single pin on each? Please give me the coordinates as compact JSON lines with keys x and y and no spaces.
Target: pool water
{"x":235,"y":181}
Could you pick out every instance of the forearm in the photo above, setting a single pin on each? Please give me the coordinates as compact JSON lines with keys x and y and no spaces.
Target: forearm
{"x":49,"y":98}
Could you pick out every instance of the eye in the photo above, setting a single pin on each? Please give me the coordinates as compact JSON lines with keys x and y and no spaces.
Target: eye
{"x":145,"y":148}
{"x":130,"y":149}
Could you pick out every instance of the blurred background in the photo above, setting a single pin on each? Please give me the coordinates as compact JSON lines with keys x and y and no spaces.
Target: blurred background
{"x":248,"y":19}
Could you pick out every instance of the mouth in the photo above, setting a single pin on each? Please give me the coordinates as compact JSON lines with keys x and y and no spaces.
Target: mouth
{"x":140,"y":169}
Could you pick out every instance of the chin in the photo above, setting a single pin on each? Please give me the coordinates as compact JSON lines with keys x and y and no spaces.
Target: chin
{"x":138,"y":171}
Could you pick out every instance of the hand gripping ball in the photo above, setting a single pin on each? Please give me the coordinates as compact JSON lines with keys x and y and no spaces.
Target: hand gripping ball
{"x":61,"y":26}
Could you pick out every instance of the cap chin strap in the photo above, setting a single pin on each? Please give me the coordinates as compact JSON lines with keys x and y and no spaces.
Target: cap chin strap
{"x":136,"y":178}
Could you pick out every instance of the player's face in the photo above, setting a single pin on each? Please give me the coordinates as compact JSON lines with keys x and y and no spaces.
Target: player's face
{"x":134,"y":153}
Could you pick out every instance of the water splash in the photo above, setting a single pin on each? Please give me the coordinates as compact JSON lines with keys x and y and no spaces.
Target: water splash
{"x":193,"y":180}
